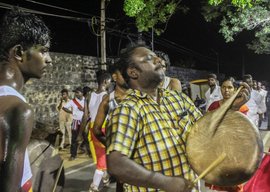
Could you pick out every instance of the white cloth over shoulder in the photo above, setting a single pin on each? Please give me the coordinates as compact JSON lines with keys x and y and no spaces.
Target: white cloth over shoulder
{"x":27,"y":173}
{"x":95,"y":100}
{"x":214,"y":96}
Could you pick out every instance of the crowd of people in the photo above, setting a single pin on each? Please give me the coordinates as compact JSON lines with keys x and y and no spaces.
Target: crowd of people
{"x":135,"y":133}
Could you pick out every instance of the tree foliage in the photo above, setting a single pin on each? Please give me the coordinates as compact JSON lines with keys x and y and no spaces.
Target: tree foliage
{"x":234,"y":20}
{"x":234,"y":16}
{"x":152,"y":13}
{"x":237,"y":3}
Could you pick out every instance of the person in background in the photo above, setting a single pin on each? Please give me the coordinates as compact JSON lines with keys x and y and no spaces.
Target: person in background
{"x":24,"y":54}
{"x":91,"y":108}
{"x":213,"y":93}
{"x":147,"y":132}
{"x":65,"y":119}
{"x":108,"y":103}
{"x":84,"y":146}
{"x":168,"y":82}
{"x":76,"y":108}
{"x":228,"y":88}
{"x":262,"y":106}
{"x":254,"y":101}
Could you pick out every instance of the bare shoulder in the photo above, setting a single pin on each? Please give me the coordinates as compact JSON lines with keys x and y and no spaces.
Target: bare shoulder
{"x":16,"y":114}
{"x":105,"y":100}
{"x":175,"y":84}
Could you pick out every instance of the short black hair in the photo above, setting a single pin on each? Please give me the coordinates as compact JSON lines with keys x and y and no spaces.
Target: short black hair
{"x":103,"y":75}
{"x":212,"y":75}
{"x":231,"y":79}
{"x":112,"y":68}
{"x":86,"y":89}
{"x":20,"y":28}
{"x":247,"y":76}
{"x":125,"y":61}
{"x":64,"y":91}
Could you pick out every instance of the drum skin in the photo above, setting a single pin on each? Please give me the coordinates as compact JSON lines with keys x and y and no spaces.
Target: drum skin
{"x":236,"y":136}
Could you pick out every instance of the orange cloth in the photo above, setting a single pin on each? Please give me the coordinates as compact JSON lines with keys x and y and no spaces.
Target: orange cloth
{"x":244,"y":109}
{"x":237,"y":188}
{"x":100,"y":152}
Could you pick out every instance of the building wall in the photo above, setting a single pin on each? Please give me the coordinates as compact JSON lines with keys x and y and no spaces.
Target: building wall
{"x":70,"y":71}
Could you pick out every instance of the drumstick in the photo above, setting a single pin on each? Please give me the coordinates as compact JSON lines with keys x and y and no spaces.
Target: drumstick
{"x":58,"y":176}
{"x":210,"y":167}
{"x":266,"y":153}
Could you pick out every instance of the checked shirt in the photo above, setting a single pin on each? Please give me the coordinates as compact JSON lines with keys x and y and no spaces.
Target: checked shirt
{"x":153,"y":134}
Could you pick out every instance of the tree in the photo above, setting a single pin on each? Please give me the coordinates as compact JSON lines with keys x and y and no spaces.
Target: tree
{"x":235,"y":3}
{"x":152,"y":13}
{"x":234,"y":20}
{"x":234,"y":16}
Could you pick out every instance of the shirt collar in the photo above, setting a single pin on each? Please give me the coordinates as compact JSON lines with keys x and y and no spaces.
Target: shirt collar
{"x":162,"y":92}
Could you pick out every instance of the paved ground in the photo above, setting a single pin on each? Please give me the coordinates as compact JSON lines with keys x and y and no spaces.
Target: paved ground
{"x":79,"y":173}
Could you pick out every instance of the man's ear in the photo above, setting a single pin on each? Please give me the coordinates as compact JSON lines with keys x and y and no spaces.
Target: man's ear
{"x":18,"y":52}
{"x":132,"y":73}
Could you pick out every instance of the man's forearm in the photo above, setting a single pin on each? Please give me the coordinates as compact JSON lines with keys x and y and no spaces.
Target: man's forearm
{"x":127,"y":171}
{"x":67,"y":110}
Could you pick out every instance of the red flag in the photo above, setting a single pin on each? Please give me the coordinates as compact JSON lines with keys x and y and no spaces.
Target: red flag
{"x":260,"y":182}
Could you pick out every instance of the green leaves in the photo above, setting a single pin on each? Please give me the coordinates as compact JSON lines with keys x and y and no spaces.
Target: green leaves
{"x":237,"y":3}
{"x":151,"y":13}
{"x":234,"y":20}
{"x":133,"y":7}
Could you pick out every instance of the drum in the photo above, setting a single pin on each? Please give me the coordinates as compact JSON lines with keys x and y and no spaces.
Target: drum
{"x":45,"y":165}
{"x":229,"y":132}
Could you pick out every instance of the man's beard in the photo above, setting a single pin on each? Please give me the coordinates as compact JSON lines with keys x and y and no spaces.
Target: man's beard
{"x":153,"y":80}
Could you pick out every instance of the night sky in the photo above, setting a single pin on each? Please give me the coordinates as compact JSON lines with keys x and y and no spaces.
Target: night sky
{"x":188,"y":38}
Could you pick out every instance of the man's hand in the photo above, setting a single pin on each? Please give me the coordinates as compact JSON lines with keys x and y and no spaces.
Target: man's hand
{"x":242,"y":97}
{"x":178,"y":184}
{"x":81,"y":108}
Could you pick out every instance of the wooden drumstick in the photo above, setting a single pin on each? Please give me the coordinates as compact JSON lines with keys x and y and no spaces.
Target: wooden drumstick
{"x":266,"y":153}
{"x":210,"y":167}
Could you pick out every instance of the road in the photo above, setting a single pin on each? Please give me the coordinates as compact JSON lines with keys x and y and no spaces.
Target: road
{"x":79,"y":173}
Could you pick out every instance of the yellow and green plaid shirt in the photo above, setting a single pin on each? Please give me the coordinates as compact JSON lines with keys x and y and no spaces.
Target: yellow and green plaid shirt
{"x":153,"y":134}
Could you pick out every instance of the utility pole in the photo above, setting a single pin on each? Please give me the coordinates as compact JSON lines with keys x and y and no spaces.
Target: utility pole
{"x":103,"y":35}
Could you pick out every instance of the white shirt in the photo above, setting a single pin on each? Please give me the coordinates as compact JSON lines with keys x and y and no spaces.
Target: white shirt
{"x":253,"y":105}
{"x":76,"y":113}
{"x":214,"y":96}
{"x":262,"y":105}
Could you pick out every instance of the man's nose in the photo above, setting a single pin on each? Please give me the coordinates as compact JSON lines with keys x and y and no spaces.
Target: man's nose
{"x":48,"y":60}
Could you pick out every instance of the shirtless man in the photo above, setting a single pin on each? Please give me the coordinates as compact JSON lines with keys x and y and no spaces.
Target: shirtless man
{"x":24,"y":46}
